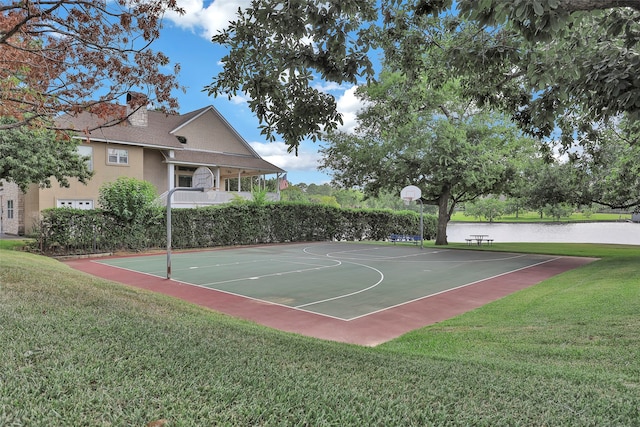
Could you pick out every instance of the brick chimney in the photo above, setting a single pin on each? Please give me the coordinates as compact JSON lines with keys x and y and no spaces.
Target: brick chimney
{"x":137,"y":109}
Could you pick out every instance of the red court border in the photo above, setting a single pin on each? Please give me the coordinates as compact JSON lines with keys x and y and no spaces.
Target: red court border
{"x":369,"y":330}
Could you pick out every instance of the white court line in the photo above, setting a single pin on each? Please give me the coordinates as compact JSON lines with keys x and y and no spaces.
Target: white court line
{"x":281,"y":273}
{"x":341,"y":296}
{"x":130,"y":269}
{"x":399,"y":258}
{"x":365,"y":257}
{"x":190,"y":268}
{"x":257,"y":261}
{"x":263,"y":301}
{"x":451,"y":289}
{"x":351,"y":293}
{"x":260,"y":300}
{"x":262,"y":261}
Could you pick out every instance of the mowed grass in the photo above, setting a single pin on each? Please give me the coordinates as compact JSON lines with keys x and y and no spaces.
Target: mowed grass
{"x":535,"y":217}
{"x":80,"y":351}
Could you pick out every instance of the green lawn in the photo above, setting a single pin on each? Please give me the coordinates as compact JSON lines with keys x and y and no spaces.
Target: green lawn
{"x":77,"y":350}
{"x":535,"y":217}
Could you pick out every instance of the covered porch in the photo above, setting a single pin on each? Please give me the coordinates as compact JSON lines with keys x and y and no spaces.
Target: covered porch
{"x":226,"y":177}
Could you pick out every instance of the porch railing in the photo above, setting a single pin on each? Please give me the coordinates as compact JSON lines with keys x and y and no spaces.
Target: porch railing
{"x":188,"y":199}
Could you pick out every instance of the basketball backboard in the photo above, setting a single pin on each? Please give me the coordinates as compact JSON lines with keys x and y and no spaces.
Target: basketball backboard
{"x":202,"y":178}
{"x":410,"y":193}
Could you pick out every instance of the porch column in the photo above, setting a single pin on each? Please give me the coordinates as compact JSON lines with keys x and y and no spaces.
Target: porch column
{"x":218,"y":179}
{"x":171,"y":173}
{"x":239,"y":176}
{"x":278,"y":184}
{"x":171,"y":183}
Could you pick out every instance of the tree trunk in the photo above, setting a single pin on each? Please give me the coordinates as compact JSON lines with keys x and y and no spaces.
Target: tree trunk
{"x":443,"y":217}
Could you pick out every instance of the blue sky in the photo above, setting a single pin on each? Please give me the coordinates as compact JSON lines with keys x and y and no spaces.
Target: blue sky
{"x":186,"y":40}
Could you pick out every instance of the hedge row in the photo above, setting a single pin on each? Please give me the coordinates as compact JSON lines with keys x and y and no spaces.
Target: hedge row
{"x":71,"y":231}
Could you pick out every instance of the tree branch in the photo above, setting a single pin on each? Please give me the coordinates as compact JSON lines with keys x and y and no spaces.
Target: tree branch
{"x":586,"y":5}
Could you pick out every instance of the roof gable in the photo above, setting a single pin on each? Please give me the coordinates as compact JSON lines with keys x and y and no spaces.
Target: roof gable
{"x":200,"y":134}
{"x":208,"y":128}
{"x":204,"y":129}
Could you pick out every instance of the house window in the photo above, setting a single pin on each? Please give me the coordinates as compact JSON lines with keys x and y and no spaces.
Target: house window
{"x":9,"y":209}
{"x":75,"y":204}
{"x":184,"y":180}
{"x":86,"y":151}
{"x":117,"y":156}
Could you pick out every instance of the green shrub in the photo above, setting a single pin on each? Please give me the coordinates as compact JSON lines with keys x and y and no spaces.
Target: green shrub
{"x":128,"y":199}
{"x":68,"y":231}
{"x":133,"y":204}
{"x":223,"y":225}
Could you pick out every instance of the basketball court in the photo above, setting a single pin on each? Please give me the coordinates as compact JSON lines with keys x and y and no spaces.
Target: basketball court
{"x":356,"y":293}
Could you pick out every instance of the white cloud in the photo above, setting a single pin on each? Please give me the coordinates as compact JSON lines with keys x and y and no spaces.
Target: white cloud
{"x":348,"y":105}
{"x":276,"y":153}
{"x":242,"y":99}
{"x":328,"y":87}
{"x":207,"y":20}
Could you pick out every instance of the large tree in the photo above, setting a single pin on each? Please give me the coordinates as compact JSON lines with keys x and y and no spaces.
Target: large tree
{"x":413,"y":133}
{"x":603,"y":169}
{"x":607,"y":170}
{"x":68,"y":56}
{"x":535,"y":59}
{"x":549,"y":184}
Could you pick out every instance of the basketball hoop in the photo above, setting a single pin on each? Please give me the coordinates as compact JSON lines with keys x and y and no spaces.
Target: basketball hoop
{"x":409,"y":194}
{"x":202,"y":178}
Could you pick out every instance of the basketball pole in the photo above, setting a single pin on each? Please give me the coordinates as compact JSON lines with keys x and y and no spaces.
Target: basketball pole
{"x":421,"y":224}
{"x":173,"y":190}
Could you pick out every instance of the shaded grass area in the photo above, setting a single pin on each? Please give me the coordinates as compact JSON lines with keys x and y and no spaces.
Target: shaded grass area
{"x":77,"y":350}
{"x":14,"y":243}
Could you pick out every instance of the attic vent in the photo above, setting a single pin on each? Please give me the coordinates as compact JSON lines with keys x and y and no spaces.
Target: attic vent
{"x":182,"y":139}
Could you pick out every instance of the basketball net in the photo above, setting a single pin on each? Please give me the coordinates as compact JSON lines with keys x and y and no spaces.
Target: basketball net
{"x":407,"y":200}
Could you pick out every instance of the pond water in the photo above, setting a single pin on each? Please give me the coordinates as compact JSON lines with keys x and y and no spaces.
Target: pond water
{"x":624,"y":233}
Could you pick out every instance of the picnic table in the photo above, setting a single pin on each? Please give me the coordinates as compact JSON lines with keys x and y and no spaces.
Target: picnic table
{"x":479,"y":238}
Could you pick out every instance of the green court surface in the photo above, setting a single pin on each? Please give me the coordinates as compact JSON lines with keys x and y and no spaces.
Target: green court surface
{"x":340,"y":280}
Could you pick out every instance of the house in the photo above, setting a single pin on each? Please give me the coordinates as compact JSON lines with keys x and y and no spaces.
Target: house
{"x":195,"y":149}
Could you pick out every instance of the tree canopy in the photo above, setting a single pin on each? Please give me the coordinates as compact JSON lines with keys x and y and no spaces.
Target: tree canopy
{"x":68,"y":56}
{"x":36,"y":155}
{"x":438,"y":141}
{"x":275,"y":49}
{"x":607,"y":172}
{"x":577,"y":61}
{"x":547,"y":63}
